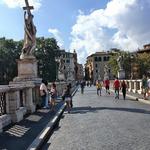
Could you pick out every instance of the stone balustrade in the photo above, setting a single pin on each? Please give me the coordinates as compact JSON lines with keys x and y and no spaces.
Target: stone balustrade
{"x":134,"y":86}
{"x":16,"y":100}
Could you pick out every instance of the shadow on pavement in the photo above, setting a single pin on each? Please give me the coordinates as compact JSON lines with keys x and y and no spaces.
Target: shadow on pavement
{"x":87,"y":109}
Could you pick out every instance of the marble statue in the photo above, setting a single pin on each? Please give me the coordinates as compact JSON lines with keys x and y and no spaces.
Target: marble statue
{"x":120,"y":62}
{"x":29,"y":33}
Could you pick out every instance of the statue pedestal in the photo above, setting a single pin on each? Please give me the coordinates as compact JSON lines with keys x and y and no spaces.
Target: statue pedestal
{"x":27,"y":74}
{"x":121,"y":74}
{"x":61,"y":77}
{"x":70,"y":78}
{"x":27,"y":71}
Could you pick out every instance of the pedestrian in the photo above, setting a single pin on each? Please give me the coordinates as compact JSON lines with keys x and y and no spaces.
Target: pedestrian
{"x":124,"y":87}
{"x":116,"y":86}
{"x":53,"y":96}
{"x":82,"y":84}
{"x":98,"y":87}
{"x":43,"y":93}
{"x":107,"y":84}
{"x":71,"y":102}
{"x":67,"y":96}
{"x":144,"y":86}
{"x":47,"y":96}
{"x":148,"y":83}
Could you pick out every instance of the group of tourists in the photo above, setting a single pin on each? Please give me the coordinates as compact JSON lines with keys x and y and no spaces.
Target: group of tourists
{"x":117,"y":85}
{"x":49,"y":95}
{"x":121,"y":85}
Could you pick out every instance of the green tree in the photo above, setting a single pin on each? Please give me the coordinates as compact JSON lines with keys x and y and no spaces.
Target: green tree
{"x":143,"y":61}
{"x":9,"y":52}
{"x":45,"y":52}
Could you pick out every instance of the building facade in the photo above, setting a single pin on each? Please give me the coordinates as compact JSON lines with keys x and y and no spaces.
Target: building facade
{"x":95,"y":64}
{"x":80,"y":72}
{"x":70,"y":64}
{"x":146,"y":49}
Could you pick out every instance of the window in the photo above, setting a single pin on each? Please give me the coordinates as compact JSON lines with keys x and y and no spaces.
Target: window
{"x":67,"y":61}
{"x":96,"y":65}
{"x":108,"y":58}
{"x":104,"y":58}
{"x":99,"y":59}
{"x":96,"y":71}
{"x":95,"y":58}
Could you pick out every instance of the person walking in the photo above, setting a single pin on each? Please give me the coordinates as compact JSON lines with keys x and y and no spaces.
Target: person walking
{"x":116,"y":86}
{"x":82,"y":84}
{"x":144,"y":86}
{"x":71,"y":102}
{"x":98,"y":87}
{"x":124,"y":87}
{"x":107,"y":84}
{"x":67,"y":97}
{"x":148,"y":83}
{"x":53,"y":96}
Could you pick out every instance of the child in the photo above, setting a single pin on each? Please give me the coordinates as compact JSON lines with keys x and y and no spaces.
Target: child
{"x":99,"y":87}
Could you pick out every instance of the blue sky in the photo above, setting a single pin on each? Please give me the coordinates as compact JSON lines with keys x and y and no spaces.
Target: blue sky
{"x":60,"y":14}
{"x":85,"y":25}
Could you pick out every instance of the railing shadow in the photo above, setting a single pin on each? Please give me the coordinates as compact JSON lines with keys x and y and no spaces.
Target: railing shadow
{"x":90,"y":109}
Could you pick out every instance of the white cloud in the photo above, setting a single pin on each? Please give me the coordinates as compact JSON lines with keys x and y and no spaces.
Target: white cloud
{"x":122,"y":24}
{"x":57,"y":35}
{"x":21,"y":3}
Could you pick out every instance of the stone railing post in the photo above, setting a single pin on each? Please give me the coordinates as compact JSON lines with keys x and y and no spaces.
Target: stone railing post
{"x":135,"y":86}
{"x":130,"y":86}
{"x":140,"y":86}
{"x":29,"y":101}
{"x":14,"y":106}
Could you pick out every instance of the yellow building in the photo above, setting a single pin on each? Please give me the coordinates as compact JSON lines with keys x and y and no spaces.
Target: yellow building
{"x":94,"y":67}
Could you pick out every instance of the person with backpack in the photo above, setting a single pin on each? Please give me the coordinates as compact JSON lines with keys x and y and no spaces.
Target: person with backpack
{"x":116,"y":86}
{"x":99,"y":87}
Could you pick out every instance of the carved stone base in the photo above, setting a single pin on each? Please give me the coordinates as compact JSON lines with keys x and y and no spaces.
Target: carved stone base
{"x":27,"y":71}
{"x":61,"y":77}
{"x":27,"y":68}
{"x":121,"y":74}
{"x":18,"y":115}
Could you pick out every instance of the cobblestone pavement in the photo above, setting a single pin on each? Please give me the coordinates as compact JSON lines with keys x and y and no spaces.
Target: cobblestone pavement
{"x":102,"y":123}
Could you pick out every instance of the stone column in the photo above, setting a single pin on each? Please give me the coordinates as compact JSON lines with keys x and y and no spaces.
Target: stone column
{"x":15,"y":110}
{"x":140,"y":90}
{"x":135,"y":86}
{"x":130,"y":86}
{"x":29,"y":101}
{"x":1,"y":128}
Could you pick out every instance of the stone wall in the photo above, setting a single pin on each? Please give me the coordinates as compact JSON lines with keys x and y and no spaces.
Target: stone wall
{"x":22,"y":99}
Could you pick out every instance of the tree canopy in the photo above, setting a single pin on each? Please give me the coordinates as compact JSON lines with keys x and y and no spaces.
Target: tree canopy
{"x":45,"y":52}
